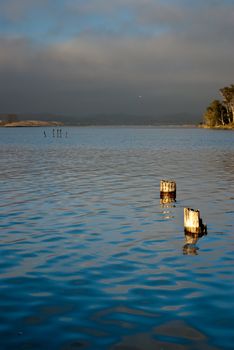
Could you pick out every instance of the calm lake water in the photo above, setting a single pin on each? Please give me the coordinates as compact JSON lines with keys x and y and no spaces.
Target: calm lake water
{"x":90,"y":258}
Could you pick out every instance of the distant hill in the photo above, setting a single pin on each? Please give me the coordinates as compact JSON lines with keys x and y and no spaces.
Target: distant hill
{"x":24,"y":123}
{"x":111,"y":119}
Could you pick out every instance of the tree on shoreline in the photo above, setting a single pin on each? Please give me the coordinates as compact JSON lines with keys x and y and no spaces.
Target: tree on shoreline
{"x":221,"y":113}
{"x":228,"y":100}
{"x":216,"y":114}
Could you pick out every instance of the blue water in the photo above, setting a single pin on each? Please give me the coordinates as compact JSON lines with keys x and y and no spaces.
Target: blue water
{"x":90,"y":258}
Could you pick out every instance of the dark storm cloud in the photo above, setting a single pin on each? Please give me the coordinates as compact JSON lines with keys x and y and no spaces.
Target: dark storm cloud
{"x":176,"y":56}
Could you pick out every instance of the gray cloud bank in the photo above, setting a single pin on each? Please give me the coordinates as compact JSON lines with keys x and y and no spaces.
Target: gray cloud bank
{"x":176,"y":57}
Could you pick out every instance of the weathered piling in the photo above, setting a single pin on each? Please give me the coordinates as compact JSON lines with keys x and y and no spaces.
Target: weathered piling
{"x":167,"y":191}
{"x":193,"y":222}
{"x":167,"y":186}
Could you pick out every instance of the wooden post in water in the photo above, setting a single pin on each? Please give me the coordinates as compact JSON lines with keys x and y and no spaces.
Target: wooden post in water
{"x":193,"y":222}
{"x":167,"y":191}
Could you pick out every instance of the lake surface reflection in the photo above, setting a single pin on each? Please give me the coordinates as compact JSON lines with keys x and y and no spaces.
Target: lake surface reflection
{"x":90,"y":258}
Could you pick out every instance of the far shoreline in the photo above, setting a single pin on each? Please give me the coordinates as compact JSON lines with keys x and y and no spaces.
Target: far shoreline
{"x":39,"y":123}
{"x":31,"y":123}
{"x":57,"y":124}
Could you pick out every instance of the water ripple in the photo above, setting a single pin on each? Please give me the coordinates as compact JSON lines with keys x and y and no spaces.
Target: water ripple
{"x":90,"y":258}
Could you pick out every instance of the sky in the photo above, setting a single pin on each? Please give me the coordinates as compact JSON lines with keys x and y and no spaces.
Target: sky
{"x":135,"y":57}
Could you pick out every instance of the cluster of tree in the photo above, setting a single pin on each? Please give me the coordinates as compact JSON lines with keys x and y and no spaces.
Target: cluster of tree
{"x":221,"y":113}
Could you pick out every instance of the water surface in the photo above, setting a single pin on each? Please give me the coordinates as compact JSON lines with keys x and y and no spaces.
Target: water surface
{"x":90,"y":259}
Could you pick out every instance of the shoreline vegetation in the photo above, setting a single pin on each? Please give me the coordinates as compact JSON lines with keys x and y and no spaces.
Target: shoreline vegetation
{"x":229,"y":126}
{"x":220,"y":114}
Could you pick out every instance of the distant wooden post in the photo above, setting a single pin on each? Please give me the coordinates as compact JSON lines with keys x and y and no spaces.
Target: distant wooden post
{"x":167,"y":191}
{"x":167,"y":187}
{"x":193,"y":222}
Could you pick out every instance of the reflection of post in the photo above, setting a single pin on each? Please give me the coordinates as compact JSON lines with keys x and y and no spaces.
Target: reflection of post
{"x":167,"y":191}
{"x":193,"y":222}
{"x":191,"y":239}
{"x":53,"y":133}
{"x":167,"y":200}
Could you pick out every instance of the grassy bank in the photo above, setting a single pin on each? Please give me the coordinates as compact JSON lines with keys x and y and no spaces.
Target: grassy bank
{"x":219,"y":127}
